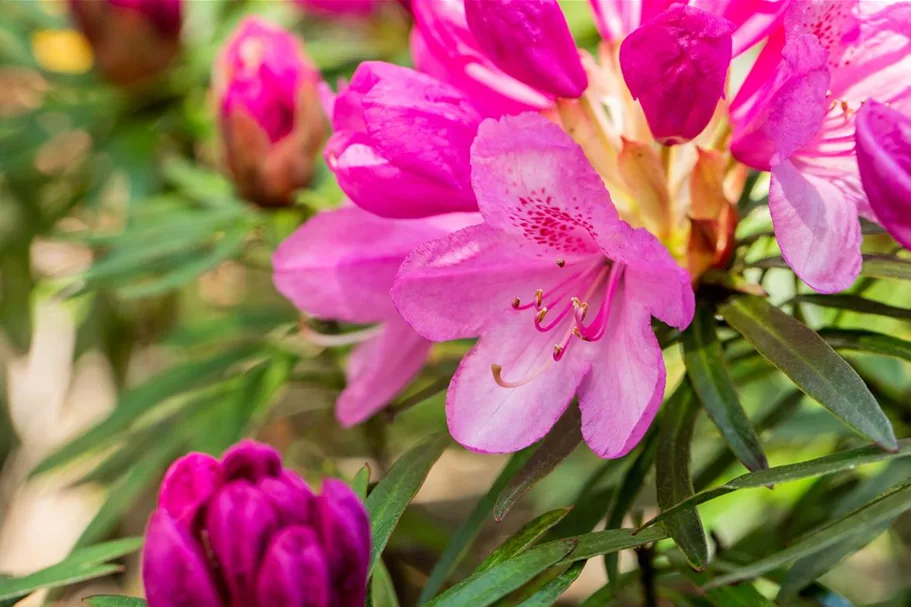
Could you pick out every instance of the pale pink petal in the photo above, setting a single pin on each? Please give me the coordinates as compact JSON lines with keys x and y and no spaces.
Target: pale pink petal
{"x":379,"y":369}
{"x":454,"y":287}
{"x":884,"y":157}
{"x":794,"y":110}
{"x":341,"y":264}
{"x":534,"y":181}
{"x":676,"y":65}
{"x":816,"y":227}
{"x":752,"y":20}
{"x":529,"y":40}
{"x":484,"y":416}
{"x":622,"y":393}
{"x":617,"y":18}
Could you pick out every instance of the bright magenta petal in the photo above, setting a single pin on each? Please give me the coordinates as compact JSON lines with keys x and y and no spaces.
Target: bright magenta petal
{"x":884,"y":158}
{"x":621,"y":395}
{"x":379,"y":369}
{"x":487,"y":417}
{"x":341,"y":264}
{"x":676,"y":65}
{"x":529,"y":40}
{"x":816,"y":227}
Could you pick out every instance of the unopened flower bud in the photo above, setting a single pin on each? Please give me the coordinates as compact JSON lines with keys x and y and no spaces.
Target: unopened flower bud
{"x":260,"y":537}
{"x":271,"y":121}
{"x":676,"y":65}
{"x":132,"y":40}
{"x":883,"y":139}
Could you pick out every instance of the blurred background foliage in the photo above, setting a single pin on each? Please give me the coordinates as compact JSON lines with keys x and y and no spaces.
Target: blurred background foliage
{"x":139,"y":322}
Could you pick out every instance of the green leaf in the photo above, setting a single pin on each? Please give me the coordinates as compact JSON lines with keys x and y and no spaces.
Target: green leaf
{"x":391,"y":496}
{"x":612,"y":540}
{"x":523,"y":538}
{"x":465,"y":535}
{"x":707,"y":370}
{"x":830,"y":464}
{"x":109,"y":600}
{"x":137,"y":401}
{"x":867,"y":341}
{"x":854,"y":303}
{"x":485,"y":588}
{"x":556,"y":447}
{"x":672,"y":475}
{"x":741,"y":595}
{"x":801,"y":354}
{"x":872,"y":515}
{"x":886,"y":266}
{"x":632,"y":484}
{"x":552,"y":591}
{"x":361,"y":481}
{"x":382,"y":591}
{"x":84,"y":564}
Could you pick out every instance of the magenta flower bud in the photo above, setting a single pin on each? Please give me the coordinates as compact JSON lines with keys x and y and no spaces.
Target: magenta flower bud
{"x":271,"y":122}
{"x":133,"y":40}
{"x":529,"y":40}
{"x":246,"y":532}
{"x":401,"y":143}
{"x":883,"y":139}
{"x":676,"y":65}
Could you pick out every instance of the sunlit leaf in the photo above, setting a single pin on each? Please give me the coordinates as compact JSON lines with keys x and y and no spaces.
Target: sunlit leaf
{"x":382,"y":591}
{"x":391,"y":496}
{"x":361,"y":481}
{"x":108,"y":600}
{"x":801,"y":354}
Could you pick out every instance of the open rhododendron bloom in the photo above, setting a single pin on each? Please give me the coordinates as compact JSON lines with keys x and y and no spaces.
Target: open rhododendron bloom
{"x":244,"y":531}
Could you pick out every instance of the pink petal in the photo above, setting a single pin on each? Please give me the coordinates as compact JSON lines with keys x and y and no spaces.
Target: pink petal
{"x":676,"y":65}
{"x":534,"y":181}
{"x":816,"y":227}
{"x":454,"y":287}
{"x":294,"y":572}
{"x":290,"y":497}
{"x":617,"y":18}
{"x":622,"y":393}
{"x":794,"y":111}
{"x":379,"y":369}
{"x":174,"y":568}
{"x":188,"y":485}
{"x":484,"y":416}
{"x":444,"y":47}
{"x":752,"y":20}
{"x":252,"y":461}
{"x":343,"y":529}
{"x":884,"y":158}
{"x":529,"y":40}
{"x":341,"y":263}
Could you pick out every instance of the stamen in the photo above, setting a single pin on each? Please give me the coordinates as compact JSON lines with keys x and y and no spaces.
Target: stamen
{"x":497,"y":371}
{"x":561,"y":262}
{"x":516,"y":303}
{"x":539,"y":295}
{"x":540,"y":315}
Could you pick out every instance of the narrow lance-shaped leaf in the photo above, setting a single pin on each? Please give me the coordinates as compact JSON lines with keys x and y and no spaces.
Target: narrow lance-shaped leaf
{"x":830,"y":464}
{"x":858,"y":340}
{"x":556,"y":446}
{"x":388,"y":500}
{"x":886,"y":266}
{"x":855,"y":303}
{"x":465,"y":535}
{"x":672,"y":475}
{"x":382,"y":591}
{"x":872,"y":515}
{"x":524,"y":538}
{"x":801,"y":354}
{"x":707,"y":370}
{"x":109,"y":600}
{"x":552,"y":591}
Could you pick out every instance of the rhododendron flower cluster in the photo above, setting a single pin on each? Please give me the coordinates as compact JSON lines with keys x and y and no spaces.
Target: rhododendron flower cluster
{"x":602,"y":189}
{"x":244,"y":531}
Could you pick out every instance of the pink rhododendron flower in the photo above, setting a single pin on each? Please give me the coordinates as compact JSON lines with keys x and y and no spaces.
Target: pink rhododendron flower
{"x":341,"y":264}
{"x":401,"y":141}
{"x":529,"y":40}
{"x":795,"y":115}
{"x":884,"y":158}
{"x":443,"y":46}
{"x":676,"y":66}
{"x":560,"y":290}
{"x":269,"y":111}
{"x":245,"y":531}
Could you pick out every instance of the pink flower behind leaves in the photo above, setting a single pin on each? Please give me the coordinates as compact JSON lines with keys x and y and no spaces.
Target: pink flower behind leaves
{"x":271,"y":122}
{"x":245,"y":531}
{"x":676,"y":66}
{"x":530,"y":41}
{"x":340,"y":265}
{"x":560,"y":290}
{"x":816,"y":195}
{"x":884,"y":158}
{"x":401,"y":142}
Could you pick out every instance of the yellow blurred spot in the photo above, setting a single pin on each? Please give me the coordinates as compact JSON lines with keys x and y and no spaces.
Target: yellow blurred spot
{"x":64,"y":51}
